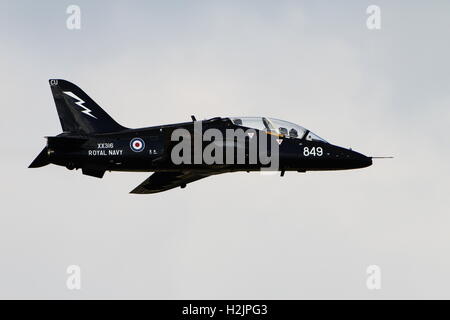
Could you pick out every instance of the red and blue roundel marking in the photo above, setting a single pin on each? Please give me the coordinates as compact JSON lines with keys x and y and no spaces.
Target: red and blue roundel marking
{"x":137,"y":144}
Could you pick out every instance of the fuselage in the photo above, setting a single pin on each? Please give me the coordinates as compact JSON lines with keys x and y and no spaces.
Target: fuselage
{"x":151,"y":149}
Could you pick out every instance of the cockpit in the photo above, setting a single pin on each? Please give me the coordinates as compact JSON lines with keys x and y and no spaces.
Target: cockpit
{"x":277,"y":127}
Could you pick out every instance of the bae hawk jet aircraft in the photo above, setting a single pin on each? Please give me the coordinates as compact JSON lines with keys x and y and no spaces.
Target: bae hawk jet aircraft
{"x":93,"y":142}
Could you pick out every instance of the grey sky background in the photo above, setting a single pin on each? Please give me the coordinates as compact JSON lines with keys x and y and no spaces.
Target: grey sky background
{"x":237,"y":235}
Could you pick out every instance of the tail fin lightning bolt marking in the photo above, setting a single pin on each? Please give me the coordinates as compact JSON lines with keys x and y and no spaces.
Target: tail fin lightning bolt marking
{"x":80,"y":102}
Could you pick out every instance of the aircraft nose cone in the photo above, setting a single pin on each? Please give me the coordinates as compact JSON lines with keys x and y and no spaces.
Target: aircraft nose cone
{"x":361,"y":161}
{"x":367,"y":161}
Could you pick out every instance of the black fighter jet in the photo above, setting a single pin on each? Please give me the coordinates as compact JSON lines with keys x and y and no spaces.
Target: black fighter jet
{"x":181,"y":153}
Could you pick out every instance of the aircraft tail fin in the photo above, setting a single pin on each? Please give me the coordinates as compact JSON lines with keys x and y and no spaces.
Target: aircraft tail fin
{"x":77,"y":112}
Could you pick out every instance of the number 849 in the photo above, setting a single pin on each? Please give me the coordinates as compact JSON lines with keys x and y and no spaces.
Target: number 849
{"x":312,"y":151}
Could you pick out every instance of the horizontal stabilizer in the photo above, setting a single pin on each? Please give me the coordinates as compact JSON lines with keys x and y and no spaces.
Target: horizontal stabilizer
{"x":41,"y":160}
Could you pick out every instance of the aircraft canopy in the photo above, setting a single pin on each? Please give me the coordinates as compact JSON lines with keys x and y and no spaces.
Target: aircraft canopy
{"x":276,"y":126}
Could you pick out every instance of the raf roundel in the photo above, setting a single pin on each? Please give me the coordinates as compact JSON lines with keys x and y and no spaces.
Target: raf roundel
{"x":137,"y":144}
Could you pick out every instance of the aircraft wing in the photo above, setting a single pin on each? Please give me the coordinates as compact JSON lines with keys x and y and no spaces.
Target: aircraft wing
{"x":162,"y":181}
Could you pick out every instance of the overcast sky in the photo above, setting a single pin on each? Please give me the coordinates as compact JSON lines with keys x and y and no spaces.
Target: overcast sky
{"x":381,"y":92}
